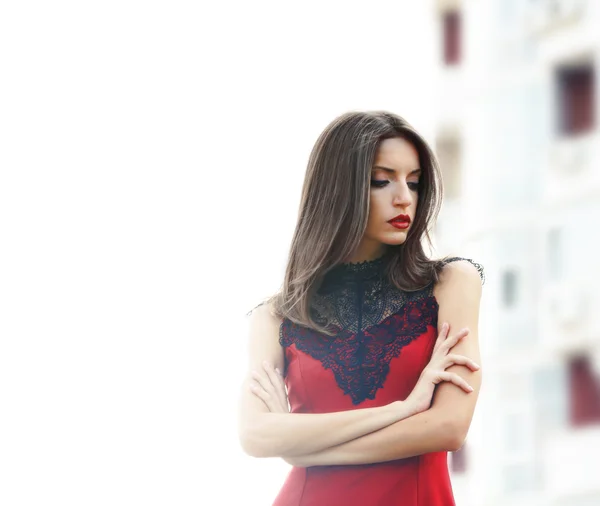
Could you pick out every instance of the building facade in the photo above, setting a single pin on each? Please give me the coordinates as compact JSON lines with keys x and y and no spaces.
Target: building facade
{"x":518,"y":143}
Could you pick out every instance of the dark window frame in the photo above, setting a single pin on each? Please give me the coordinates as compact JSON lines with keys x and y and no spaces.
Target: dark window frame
{"x":576,"y":98}
{"x":452,"y":37}
{"x":584,"y":392}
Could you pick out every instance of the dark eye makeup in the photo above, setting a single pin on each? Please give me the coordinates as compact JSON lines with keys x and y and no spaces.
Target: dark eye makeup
{"x":378,"y":183}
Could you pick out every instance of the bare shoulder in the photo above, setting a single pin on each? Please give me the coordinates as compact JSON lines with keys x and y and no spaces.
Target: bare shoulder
{"x":460,"y":276}
{"x":264,"y":343}
{"x":264,"y":315}
{"x":462,"y":269}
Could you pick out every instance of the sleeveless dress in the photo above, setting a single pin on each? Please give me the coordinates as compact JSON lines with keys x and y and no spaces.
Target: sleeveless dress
{"x":384,"y":338}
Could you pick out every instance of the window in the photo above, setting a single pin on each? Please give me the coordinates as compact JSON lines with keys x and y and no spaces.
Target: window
{"x":509,"y":288}
{"x":576,"y":99}
{"x":458,"y":463}
{"x":584,"y":392}
{"x":449,"y":155}
{"x":452,"y":37}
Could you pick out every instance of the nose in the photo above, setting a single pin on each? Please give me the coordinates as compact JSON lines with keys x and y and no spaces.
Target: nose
{"x":402,"y":196}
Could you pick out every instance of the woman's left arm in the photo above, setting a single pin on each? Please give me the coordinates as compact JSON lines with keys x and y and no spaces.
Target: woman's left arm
{"x":444,"y":426}
{"x":458,"y":294}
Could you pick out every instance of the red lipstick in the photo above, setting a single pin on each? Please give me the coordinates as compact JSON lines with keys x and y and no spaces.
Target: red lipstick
{"x":402,"y":221}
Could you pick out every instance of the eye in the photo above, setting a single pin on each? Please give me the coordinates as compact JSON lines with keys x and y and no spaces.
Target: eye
{"x":378,"y":183}
{"x":414,"y":186}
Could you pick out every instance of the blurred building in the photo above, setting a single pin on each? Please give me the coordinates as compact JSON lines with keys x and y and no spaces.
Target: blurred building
{"x":519,"y":146}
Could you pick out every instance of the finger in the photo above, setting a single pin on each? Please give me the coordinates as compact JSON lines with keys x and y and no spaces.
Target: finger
{"x":451,"y":341}
{"x":452,"y":358}
{"x":441,"y":336}
{"x":271,"y":401}
{"x":277,"y":383}
{"x":262,"y":394}
{"x":451,"y":377}
{"x":271,"y":374}
{"x":444,"y":331}
{"x":264,"y":381}
{"x":454,"y":339}
{"x":282,"y":388}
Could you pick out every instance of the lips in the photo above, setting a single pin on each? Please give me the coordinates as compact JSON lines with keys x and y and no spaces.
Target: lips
{"x":401,"y":221}
{"x":401,"y":218}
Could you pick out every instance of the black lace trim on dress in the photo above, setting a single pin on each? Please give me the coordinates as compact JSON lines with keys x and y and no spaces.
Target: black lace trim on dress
{"x":360,"y":361}
{"x":371,"y":321}
{"x":479,"y":267}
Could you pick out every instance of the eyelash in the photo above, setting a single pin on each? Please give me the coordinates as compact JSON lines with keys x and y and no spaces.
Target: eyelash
{"x":381,"y":184}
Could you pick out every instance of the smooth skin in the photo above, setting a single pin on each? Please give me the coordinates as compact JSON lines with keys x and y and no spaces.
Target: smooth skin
{"x":395,"y":179}
{"x":400,"y":429}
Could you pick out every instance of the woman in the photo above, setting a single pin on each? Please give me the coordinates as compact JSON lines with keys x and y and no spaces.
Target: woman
{"x":365,"y":330}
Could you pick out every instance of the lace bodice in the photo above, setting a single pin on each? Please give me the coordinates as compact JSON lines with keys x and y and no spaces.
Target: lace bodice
{"x":355,"y":297}
{"x":371,"y":321}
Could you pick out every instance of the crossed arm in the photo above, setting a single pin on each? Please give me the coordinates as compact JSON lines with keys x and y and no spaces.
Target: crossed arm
{"x":444,"y":426}
{"x":277,"y":433}
{"x":372,"y":435}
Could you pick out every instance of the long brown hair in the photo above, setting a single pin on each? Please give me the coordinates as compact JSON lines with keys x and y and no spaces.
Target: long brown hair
{"x":334,"y":210}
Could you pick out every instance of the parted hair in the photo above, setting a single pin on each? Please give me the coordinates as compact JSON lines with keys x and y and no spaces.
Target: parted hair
{"x":334,"y":210}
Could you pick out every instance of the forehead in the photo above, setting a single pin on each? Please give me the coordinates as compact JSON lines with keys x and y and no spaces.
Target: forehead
{"x":397,"y":153}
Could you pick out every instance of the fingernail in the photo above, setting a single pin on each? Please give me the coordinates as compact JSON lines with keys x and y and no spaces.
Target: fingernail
{"x":477,"y":366}
{"x":277,"y":371}
{"x":470,"y":388}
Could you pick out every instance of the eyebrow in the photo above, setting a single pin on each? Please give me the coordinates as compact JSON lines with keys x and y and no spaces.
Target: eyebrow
{"x":393,"y":171}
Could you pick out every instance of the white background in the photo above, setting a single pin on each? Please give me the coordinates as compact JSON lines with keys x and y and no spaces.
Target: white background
{"x":152,"y":156}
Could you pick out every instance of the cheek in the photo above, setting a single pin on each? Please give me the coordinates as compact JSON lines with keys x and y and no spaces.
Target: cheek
{"x":376,"y":210}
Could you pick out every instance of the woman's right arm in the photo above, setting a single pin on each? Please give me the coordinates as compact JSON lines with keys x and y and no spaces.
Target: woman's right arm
{"x":444,"y":426}
{"x":263,"y":433}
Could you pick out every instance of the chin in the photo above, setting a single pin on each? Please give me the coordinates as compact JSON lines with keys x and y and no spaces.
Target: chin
{"x":395,"y":239}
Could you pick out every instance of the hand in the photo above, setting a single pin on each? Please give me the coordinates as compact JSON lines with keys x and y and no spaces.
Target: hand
{"x":435,"y":371}
{"x":268,"y":385}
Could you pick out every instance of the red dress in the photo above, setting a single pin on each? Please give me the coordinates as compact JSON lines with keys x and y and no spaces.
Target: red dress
{"x":384,"y":338}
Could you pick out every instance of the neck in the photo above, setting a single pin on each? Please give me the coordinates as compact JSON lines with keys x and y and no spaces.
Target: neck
{"x":353,"y":273}
{"x":366,"y":253}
